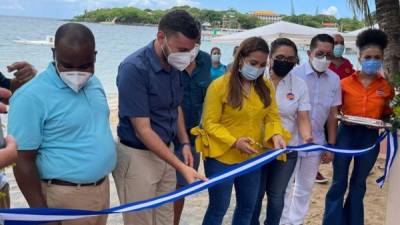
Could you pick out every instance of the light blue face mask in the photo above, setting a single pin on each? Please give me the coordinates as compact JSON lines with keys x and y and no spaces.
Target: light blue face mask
{"x":371,"y":66}
{"x":338,"y":50}
{"x":250,"y":72}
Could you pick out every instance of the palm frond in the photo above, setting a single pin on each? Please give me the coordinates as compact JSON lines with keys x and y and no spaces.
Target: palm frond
{"x":362,"y":7}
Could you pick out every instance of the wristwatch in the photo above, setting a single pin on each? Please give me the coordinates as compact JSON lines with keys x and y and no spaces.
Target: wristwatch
{"x":186,"y":143}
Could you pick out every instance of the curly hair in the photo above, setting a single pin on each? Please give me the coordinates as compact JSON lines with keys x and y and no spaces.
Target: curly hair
{"x":372,"y":37}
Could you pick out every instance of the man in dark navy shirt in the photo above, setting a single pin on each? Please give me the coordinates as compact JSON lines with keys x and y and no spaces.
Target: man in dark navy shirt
{"x":150,"y":94}
{"x":195,"y":80}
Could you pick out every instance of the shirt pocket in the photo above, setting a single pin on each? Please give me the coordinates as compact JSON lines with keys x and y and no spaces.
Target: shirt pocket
{"x":288,"y":108}
{"x":328,"y":98}
{"x":159,"y":94}
{"x":379,"y":99}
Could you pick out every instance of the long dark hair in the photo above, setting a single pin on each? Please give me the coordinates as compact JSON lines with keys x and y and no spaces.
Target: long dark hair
{"x":235,"y":97}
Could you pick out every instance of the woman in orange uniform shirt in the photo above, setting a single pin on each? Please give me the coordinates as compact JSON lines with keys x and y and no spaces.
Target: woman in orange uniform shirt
{"x":366,"y":94}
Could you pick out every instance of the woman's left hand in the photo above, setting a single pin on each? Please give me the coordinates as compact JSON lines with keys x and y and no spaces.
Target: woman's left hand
{"x":279,"y":143}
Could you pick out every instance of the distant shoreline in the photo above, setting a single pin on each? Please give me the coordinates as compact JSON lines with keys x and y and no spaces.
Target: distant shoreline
{"x":116,"y":23}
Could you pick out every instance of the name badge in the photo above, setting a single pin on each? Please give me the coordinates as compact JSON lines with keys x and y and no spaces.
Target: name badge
{"x":380,"y":92}
{"x":290,"y":96}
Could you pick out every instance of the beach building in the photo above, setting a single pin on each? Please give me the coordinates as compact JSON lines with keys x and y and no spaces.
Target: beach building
{"x":267,"y":15}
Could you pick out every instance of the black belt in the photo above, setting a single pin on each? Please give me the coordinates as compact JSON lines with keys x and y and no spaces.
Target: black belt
{"x":66,"y":183}
{"x":136,"y":146}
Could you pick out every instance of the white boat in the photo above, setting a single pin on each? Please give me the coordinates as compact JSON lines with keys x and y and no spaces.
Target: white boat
{"x":112,"y":22}
{"x":48,"y":41}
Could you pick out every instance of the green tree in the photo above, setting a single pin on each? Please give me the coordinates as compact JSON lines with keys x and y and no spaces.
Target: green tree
{"x":131,"y":15}
{"x":249,"y":22}
{"x":347,"y":24}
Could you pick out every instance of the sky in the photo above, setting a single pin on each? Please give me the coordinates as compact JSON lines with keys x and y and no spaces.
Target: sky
{"x":67,"y":9}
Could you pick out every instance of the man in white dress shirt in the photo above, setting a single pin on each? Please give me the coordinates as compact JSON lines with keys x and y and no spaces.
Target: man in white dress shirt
{"x":325,"y":97}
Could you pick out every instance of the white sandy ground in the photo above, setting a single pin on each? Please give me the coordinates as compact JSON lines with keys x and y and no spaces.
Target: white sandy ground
{"x":375,"y":201}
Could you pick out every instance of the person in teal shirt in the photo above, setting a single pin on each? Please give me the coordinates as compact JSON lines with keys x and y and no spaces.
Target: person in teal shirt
{"x":60,"y":122}
{"x":217,"y":68}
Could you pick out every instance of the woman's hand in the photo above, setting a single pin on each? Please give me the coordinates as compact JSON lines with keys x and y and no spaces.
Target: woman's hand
{"x":327,"y":157}
{"x":279,"y":143}
{"x":244,"y":145}
{"x":308,"y":139}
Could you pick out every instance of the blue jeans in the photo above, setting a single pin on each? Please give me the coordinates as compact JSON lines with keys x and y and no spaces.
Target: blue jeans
{"x":275,"y":177}
{"x":246,"y":187}
{"x":352,"y":212}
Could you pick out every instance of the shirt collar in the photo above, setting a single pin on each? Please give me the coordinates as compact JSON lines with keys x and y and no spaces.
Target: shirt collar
{"x":155,"y":61}
{"x":286,"y":78}
{"x":379,"y":77}
{"x":200,"y":59}
{"x":311,"y":71}
{"x":53,"y":75}
{"x":283,"y":81}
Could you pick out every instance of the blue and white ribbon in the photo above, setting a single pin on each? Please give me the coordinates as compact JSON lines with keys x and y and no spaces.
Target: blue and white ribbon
{"x":30,"y":216}
{"x":391,"y":152}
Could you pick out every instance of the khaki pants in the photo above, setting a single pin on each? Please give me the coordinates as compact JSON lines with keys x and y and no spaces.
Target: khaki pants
{"x":5,"y":197}
{"x":84,"y":197}
{"x":141,"y":175}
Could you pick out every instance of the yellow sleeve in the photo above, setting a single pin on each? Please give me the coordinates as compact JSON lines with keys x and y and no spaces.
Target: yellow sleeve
{"x":272,"y":122}
{"x":220,"y":137}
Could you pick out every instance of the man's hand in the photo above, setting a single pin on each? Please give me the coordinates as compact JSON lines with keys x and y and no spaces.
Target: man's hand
{"x":11,"y":147}
{"x":8,"y":154}
{"x":187,"y":155}
{"x":23,"y":71}
{"x":327,"y":157}
{"x":308,"y":139}
{"x":4,"y":95}
{"x":191,"y":175}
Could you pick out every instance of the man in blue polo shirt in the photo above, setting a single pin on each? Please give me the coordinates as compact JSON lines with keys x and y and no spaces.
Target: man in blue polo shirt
{"x":150,"y":94}
{"x":60,"y":122}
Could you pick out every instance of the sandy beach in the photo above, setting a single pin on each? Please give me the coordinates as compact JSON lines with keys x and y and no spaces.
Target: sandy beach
{"x":375,"y":201}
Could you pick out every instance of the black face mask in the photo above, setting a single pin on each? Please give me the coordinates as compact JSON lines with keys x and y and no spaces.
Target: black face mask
{"x":282,"y":68}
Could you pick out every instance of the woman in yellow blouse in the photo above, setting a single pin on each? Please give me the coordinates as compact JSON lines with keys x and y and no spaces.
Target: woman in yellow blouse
{"x":240,"y":118}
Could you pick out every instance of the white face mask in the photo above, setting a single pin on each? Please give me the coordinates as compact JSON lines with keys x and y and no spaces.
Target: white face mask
{"x":215,"y":58}
{"x":76,"y":80}
{"x":320,"y":64}
{"x":179,"y":60}
{"x":195,"y":52}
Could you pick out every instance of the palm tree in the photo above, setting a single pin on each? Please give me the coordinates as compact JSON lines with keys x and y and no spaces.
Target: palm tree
{"x":388,"y":17}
